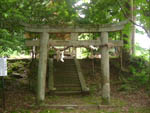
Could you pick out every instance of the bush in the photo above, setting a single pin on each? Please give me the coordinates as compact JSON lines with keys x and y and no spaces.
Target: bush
{"x":139,"y":69}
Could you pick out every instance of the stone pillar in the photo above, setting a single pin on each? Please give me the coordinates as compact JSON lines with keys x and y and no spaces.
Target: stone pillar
{"x":105,"y":69}
{"x":51,"y":75}
{"x":42,"y":67}
{"x":74,"y":37}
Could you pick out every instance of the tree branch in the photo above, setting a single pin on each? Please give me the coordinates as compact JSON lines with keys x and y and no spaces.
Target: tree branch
{"x":126,"y":16}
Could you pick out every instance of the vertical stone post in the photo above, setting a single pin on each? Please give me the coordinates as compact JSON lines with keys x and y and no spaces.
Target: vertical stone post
{"x":74,"y":37}
{"x":42,"y":67}
{"x":51,"y":75}
{"x":105,"y":69}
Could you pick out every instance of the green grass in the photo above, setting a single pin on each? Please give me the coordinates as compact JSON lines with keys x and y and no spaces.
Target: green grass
{"x":92,"y":99}
{"x":118,"y":102}
{"x":139,"y":110}
{"x":21,"y":111}
{"x":51,"y":111}
{"x":106,"y":110}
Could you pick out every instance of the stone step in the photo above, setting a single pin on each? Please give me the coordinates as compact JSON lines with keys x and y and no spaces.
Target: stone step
{"x":66,"y":82}
{"x":65,"y":71}
{"x":68,"y":89}
{"x":65,"y":67}
{"x":67,"y":92}
{"x":63,"y":63}
{"x":66,"y":74}
{"x":67,"y":60}
{"x":67,"y":85}
{"x":66,"y":79}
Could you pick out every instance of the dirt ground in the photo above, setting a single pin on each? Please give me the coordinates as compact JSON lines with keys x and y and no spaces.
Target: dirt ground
{"x":19,"y":99}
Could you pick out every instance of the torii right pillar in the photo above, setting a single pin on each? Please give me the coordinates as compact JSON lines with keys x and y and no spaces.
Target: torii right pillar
{"x":105,"y":69}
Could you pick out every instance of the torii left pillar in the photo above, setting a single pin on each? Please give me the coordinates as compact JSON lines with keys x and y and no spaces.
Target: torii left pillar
{"x":105,"y":69}
{"x":42,"y":67}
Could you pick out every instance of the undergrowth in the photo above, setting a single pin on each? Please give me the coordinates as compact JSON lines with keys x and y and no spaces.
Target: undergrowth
{"x":138,"y":75}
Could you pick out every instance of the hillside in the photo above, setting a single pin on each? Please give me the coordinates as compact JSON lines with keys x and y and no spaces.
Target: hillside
{"x":21,"y":99}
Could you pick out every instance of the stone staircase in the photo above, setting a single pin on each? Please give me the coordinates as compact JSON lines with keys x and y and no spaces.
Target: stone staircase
{"x":67,"y":78}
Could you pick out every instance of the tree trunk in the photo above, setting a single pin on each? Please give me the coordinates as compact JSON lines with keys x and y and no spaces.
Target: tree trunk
{"x":128,"y":38}
{"x":133,"y":18}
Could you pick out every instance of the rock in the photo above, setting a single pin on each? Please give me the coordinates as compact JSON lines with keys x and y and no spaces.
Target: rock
{"x":70,"y":108}
{"x":16,"y":75}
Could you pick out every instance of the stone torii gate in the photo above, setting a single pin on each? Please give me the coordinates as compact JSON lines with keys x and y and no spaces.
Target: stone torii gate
{"x":103,"y":42}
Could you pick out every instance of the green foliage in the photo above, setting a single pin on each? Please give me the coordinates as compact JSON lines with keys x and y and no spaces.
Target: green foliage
{"x":142,"y":52}
{"x":139,"y":32}
{"x":101,"y":11}
{"x":17,"y":66}
{"x":49,"y":12}
{"x":85,"y":52}
{"x":140,"y":70}
{"x":64,"y":12}
{"x":92,"y":100}
{"x":10,"y":42}
{"x":11,"y":33}
{"x":143,"y":15}
{"x":138,"y":75}
{"x":126,"y":87}
{"x":51,"y":53}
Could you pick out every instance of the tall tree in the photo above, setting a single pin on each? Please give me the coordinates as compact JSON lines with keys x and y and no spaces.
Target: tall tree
{"x":133,"y":18}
